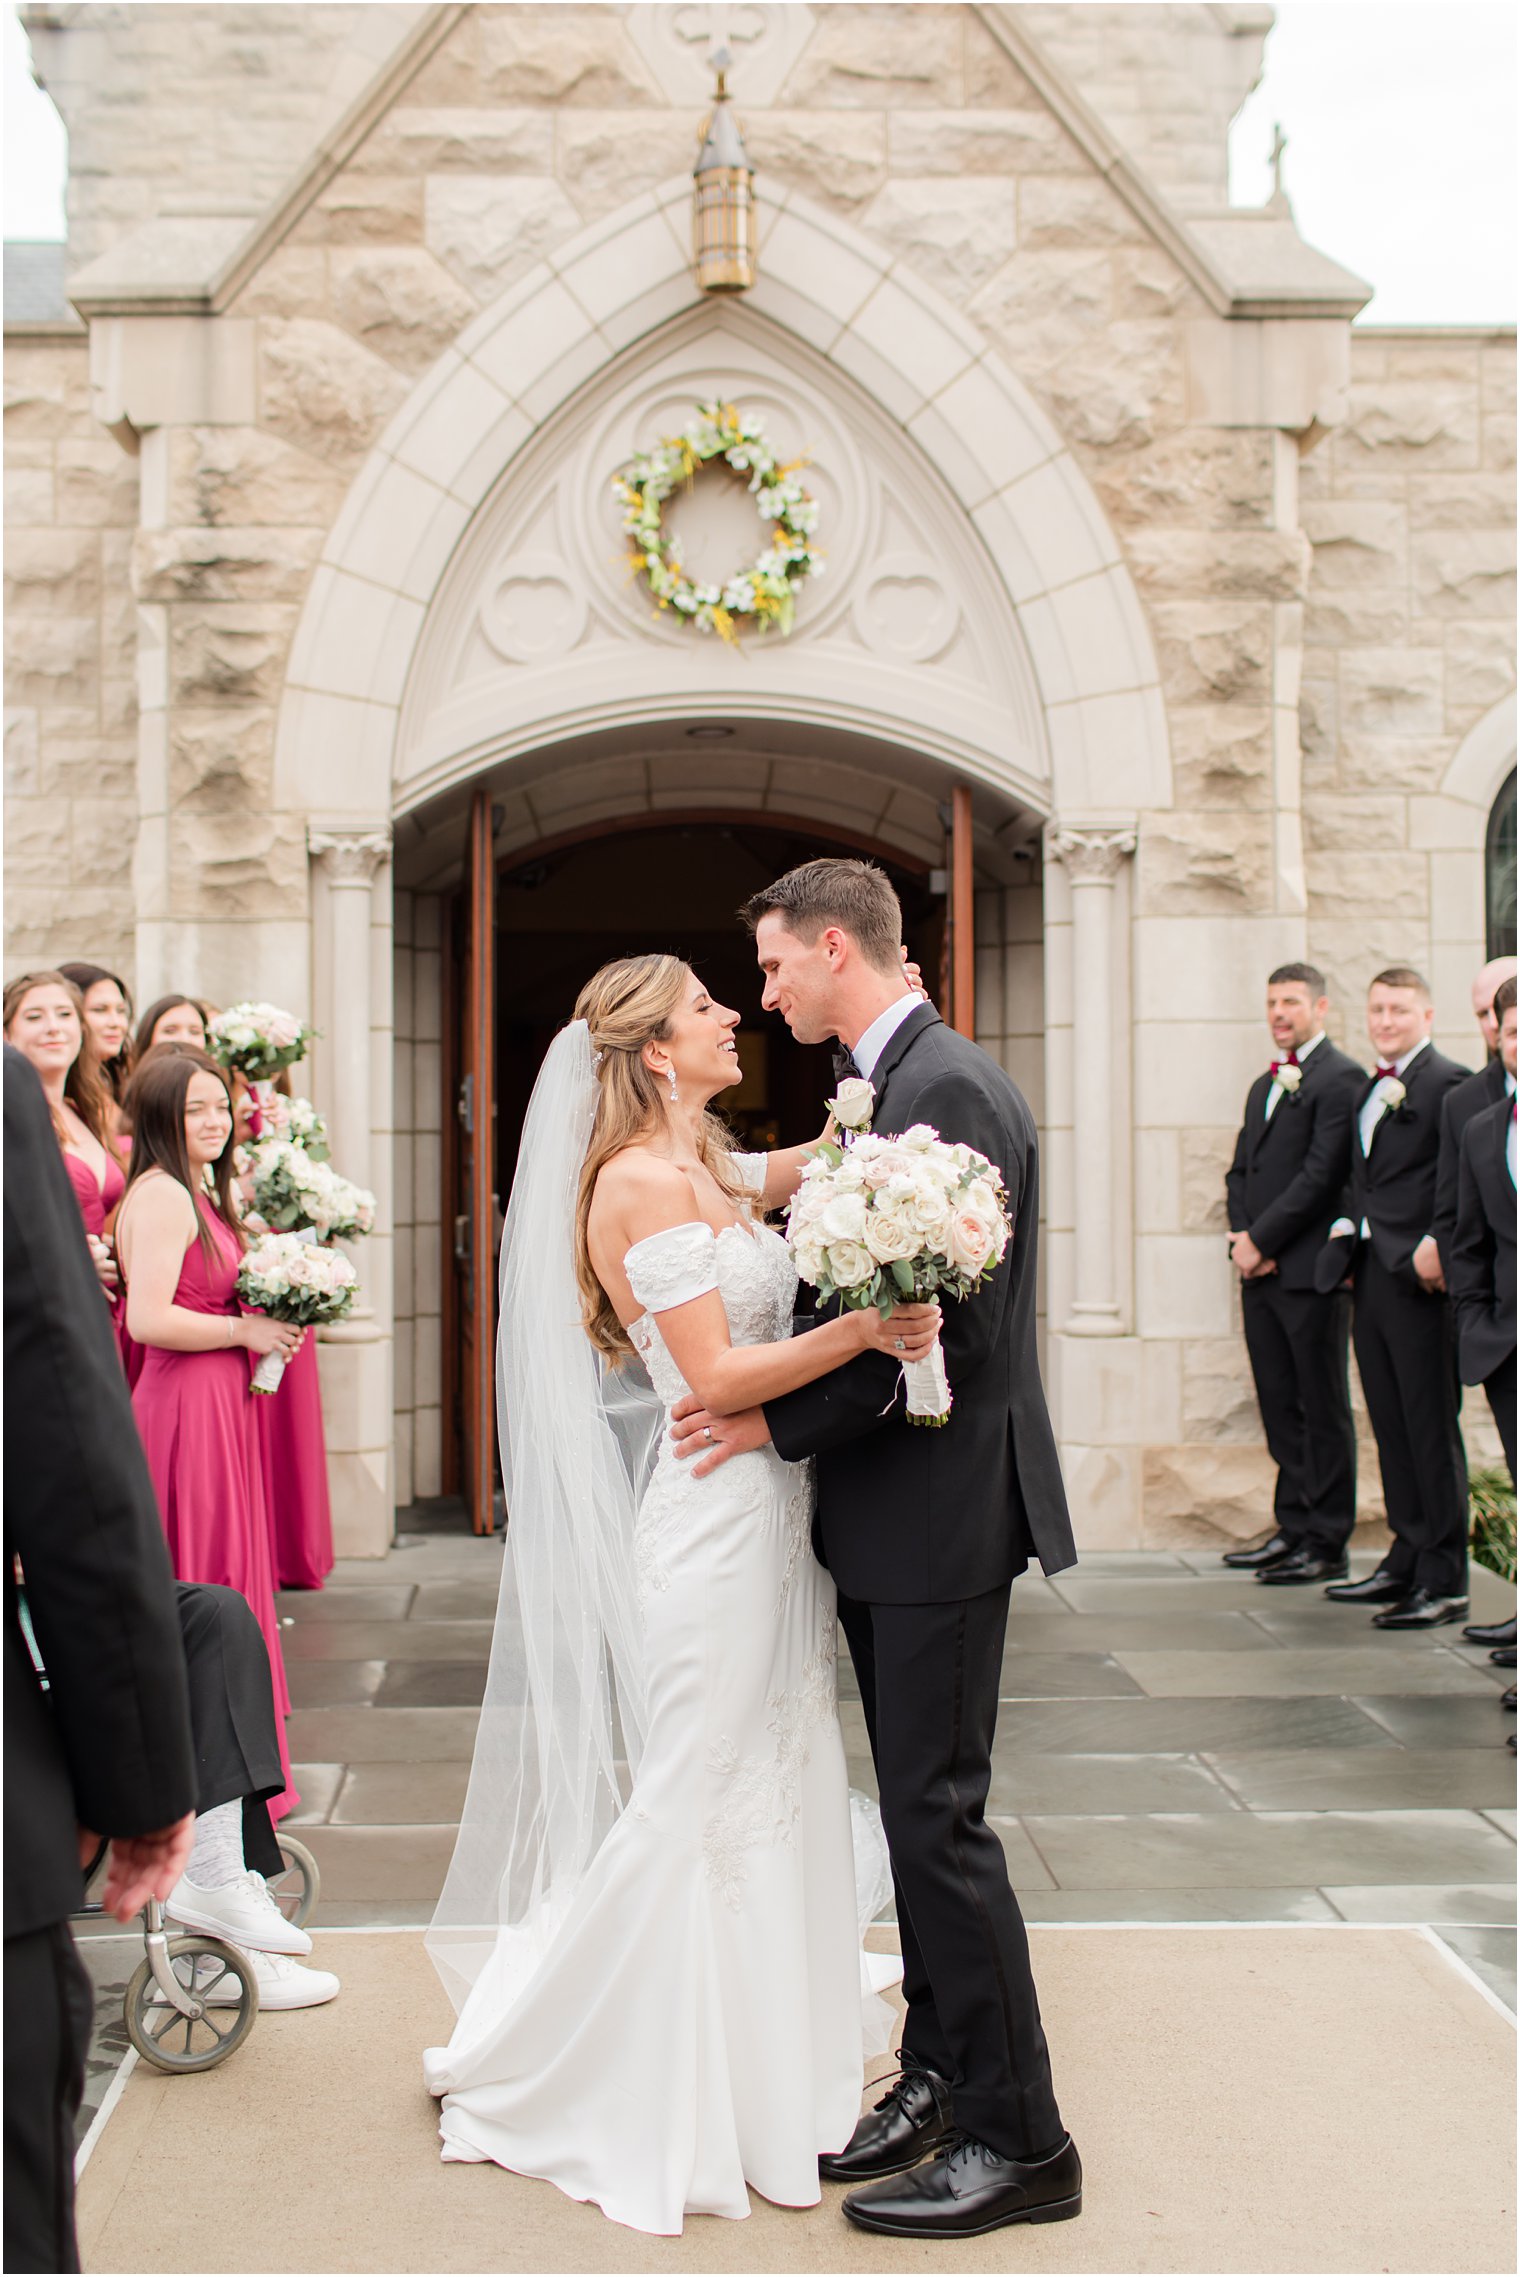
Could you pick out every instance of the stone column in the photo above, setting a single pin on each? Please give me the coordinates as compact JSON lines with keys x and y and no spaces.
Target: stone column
{"x":1092,"y":859}
{"x":354,"y":1354}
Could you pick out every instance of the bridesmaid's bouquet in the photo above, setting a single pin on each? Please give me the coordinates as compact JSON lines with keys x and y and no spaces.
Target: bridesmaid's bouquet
{"x":289,"y":1279}
{"x":258,"y":1040}
{"x":887,"y":1221}
{"x":293,"y":1189}
{"x":294,"y":1119}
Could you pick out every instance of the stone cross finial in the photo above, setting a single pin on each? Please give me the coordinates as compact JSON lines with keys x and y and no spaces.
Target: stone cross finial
{"x":1279,"y":198}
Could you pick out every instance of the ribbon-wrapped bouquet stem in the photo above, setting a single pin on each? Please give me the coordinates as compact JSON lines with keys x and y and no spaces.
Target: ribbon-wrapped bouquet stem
{"x":887,"y":1221}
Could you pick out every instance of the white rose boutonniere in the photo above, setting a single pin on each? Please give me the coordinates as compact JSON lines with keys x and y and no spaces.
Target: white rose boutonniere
{"x":1393,"y":1093}
{"x":1289,"y":1079}
{"x":853,"y":1104}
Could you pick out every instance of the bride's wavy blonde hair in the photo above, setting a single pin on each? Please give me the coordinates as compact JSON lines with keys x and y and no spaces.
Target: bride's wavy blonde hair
{"x":625,"y":1006}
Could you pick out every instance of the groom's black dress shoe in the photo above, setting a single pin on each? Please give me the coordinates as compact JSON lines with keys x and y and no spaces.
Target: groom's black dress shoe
{"x":1490,"y":1633}
{"x":1420,"y":1610}
{"x":912,"y":2119}
{"x":1380,"y":1588}
{"x":1275,"y":1546}
{"x":1301,"y":1566}
{"x":968,"y":2189}
{"x":1503,"y":1656}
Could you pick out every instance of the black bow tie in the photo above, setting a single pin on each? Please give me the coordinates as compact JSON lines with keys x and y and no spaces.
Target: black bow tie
{"x":844,"y":1066}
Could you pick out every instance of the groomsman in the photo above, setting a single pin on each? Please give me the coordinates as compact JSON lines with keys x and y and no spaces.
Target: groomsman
{"x":1402,"y":1320}
{"x":1482,"y":1090}
{"x":1482,"y":1271}
{"x":1285,"y":1188}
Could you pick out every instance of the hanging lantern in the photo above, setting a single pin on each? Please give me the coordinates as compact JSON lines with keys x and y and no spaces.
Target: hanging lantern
{"x":723,"y":208}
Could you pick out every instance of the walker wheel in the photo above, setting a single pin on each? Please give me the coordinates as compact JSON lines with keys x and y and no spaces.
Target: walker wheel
{"x":174,"y":2042}
{"x":298,"y":1885}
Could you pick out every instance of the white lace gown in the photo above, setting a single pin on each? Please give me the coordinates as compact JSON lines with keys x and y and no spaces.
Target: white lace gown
{"x":696,"y":2024}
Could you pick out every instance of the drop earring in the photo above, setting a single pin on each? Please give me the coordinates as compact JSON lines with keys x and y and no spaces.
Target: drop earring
{"x":670,"y":1077}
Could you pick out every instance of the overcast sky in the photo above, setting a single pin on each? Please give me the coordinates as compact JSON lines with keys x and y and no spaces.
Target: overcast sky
{"x":1400,"y":118}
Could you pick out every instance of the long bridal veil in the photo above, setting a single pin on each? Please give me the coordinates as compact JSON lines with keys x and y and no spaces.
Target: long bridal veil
{"x":562,"y":1724}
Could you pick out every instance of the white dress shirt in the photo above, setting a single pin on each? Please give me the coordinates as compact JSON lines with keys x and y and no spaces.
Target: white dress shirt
{"x":880,"y":1033}
{"x":1303,"y":1051}
{"x":1375,"y":1105}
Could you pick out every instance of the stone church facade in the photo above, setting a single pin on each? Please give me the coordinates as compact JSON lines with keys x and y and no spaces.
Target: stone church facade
{"x":1206,"y":598}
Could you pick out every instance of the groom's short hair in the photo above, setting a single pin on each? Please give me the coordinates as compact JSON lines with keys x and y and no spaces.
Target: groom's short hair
{"x":855,"y":896}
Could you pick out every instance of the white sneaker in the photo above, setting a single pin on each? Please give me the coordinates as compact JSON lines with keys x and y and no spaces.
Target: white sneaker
{"x":283,"y":1983}
{"x":241,"y":1910}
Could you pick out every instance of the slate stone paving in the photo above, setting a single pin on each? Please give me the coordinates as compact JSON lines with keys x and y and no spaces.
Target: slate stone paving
{"x":1176,"y":1743}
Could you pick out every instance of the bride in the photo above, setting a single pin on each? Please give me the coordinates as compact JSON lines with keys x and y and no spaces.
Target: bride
{"x":650,"y":1929}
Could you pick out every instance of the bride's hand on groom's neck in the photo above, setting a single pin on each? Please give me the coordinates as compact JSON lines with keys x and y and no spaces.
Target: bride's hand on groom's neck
{"x":713,"y":1438}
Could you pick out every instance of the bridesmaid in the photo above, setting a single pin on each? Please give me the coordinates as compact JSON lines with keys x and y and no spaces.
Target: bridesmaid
{"x":108,"y":1028}
{"x":293,"y":1438}
{"x":180,"y":1248}
{"x":171,"y":1020}
{"x":44,"y":1019}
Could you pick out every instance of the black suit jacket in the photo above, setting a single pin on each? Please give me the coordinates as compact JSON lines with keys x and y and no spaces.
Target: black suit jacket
{"x":1458,"y":1108}
{"x":910,"y":1515}
{"x":1481,"y":1275}
{"x":107,"y":1745}
{"x":1288,"y":1181}
{"x":1394,"y":1187}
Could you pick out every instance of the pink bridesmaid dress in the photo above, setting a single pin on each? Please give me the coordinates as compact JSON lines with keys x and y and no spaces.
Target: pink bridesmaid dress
{"x":295,"y":1475}
{"x":196,"y":1418}
{"x":96,"y":1202}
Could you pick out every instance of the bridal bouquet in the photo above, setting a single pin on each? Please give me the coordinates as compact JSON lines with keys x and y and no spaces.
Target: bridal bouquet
{"x":258,"y":1039}
{"x":289,"y":1279}
{"x":886,"y":1221}
{"x":293,"y":1189}
{"x":294,"y":1119}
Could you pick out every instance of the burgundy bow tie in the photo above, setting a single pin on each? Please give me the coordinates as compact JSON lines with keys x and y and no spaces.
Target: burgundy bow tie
{"x":1290,"y":1061}
{"x":1378,"y":1073}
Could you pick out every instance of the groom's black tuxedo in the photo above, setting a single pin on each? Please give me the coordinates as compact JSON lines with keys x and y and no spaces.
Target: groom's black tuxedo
{"x":923,"y":1531}
{"x":913,"y":1516}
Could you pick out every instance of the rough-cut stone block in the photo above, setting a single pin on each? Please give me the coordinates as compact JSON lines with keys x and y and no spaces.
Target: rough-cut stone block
{"x":983,"y":141}
{"x":1148,"y":284}
{"x":225,"y":653}
{"x":1118,"y":392}
{"x":560,"y":55}
{"x":1217,"y":649}
{"x":52,"y":569}
{"x":1466,"y":573}
{"x":1042,"y":304}
{"x":22,"y":778}
{"x":1480,"y":664}
{"x":291,"y":282}
{"x":957,"y":233}
{"x":29,"y":497}
{"x":238,"y":864}
{"x":47,"y":389}
{"x":440,"y":139}
{"x":1271,"y":564}
{"x":102,"y":835}
{"x":320,"y":390}
{"x":89,"y":767}
{"x":1221,"y":755}
{"x":237,"y":476}
{"x":1461,"y":502}
{"x":1075,"y":209}
{"x":838,"y":157}
{"x":223,"y":565}
{"x":1194,"y":864}
{"x":1377,"y":762}
{"x":1357,"y":542}
{"x":883,"y":58}
{"x":489,"y":231}
{"x":603,"y":167}
{"x":399,"y":302}
{"x":97,"y":483}
{"x":1370,"y":825}
{"x":364,"y":209}
{"x":1351,"y":884}
{"x":1209,"y":478}
{"x":1203,"y":1160}
{"x":1356,"y":619}
{"x":221,"y":762}
{"x":1391,"y":691}
{"x":51,"y":659}
{"x":1409,"y":424}
{"x":1218,"y":1395}
{"x":1204,"y":1494}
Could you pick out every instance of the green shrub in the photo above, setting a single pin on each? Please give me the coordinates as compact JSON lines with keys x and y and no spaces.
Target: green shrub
{"x":1491,"y":1511}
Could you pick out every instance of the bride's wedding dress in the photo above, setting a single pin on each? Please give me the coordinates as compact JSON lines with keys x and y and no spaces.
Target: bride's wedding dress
{"x":694,"y":2022}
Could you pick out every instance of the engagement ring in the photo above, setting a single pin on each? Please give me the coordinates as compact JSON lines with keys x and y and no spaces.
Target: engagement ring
{"x":707,"y":1430}
{"x":897,"y":1340}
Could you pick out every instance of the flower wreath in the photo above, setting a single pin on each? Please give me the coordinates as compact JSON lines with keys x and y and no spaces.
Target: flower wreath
{"x":765,"y":591}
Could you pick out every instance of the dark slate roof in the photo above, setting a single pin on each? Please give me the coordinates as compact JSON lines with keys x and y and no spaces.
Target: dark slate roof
{"x":34,"y":271}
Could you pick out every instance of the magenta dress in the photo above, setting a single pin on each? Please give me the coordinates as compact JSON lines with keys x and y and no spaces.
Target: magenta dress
{"x":196,"y":1417}
{"x":95,"y":1205}
{"x":295,"y":1474}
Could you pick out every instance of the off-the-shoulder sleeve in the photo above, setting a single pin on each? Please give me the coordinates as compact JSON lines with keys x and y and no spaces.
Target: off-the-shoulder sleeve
{"x":671,"y":1268}
{"x":751,"y":1171}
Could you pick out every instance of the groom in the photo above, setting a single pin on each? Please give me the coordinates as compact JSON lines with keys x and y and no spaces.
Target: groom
{"x":924,"y":1531}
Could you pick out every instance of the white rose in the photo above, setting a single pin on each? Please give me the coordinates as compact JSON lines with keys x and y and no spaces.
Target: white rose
{"x":970,"y":1243}
{"x":891,"y":1234}
{"x":849,"y":1263}
{"x":844,"y":1219}
{"x":853,"y":1103}
{"x":1393,"y":1092}
{"x":918,"y":1138}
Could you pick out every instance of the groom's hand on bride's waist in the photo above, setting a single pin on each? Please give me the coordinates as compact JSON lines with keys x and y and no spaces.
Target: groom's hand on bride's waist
{"x":708,"y":1440}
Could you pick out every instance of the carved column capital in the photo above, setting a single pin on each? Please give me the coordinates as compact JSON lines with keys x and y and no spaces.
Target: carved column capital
{"x":1092,"y":857}
{"x":350,"y":857}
